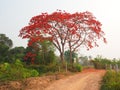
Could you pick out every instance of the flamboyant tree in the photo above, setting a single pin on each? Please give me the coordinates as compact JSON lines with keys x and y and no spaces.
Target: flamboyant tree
{"x":86,"y":32}
{"x":64,"y":29}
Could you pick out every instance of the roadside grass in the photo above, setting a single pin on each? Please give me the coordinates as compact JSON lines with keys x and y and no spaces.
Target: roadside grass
{"x":111,"y":81}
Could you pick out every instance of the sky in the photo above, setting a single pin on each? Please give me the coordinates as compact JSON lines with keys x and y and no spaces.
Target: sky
{"x":15,"y":14}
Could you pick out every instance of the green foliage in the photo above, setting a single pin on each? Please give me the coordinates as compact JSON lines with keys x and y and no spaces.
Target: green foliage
{"x":45,"y":58}
{"x":104,"y":63}
{"x":16,"y":53}
{"x":5,"y":45}
{"x":5,"y":67}
{"x":44,"y":68}
{"x":4,"y":40}
{"x":15,"y":71}
{"x":7,"y":53}
{"x":67,"y":55}
{"x":18,"y":64}
{"x":44,"y":53}
{"x":3,"y":53}
{"x":100,"y":63}
{"x":76,"y":67}
{"x":111,"y":81}
{"x":34,"y":73}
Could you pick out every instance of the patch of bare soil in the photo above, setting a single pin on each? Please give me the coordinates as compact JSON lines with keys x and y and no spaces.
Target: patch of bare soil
{"x":33,"y":83}
{"x":88,"y":79}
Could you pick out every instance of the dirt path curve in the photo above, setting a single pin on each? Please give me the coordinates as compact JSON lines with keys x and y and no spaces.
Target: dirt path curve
{"x":87,"y":80}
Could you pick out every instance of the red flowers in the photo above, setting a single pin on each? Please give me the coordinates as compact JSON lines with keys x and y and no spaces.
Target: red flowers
{"x":30,"y":56}
{"x":64,"y":28}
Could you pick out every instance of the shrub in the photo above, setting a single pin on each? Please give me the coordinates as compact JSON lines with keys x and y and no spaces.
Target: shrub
{"x":78,"y":67}
{"x":75,"y":67}
{"x":5,"y":67}
{"x":99,"y":65}
{"x":111,"y":81}
{"x":34,"y":73}
{"x":43,"y":68}
{"x":16,"y":71}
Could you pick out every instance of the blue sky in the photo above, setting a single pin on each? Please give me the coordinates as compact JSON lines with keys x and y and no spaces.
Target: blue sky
{"x":15,"y":14}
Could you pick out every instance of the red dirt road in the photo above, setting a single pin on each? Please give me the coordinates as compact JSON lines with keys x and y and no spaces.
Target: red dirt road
{"x":87,"y":80}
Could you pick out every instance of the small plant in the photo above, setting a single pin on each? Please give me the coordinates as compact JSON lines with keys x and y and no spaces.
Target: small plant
{"x":5,"y":67}
{"x":34,"y":73}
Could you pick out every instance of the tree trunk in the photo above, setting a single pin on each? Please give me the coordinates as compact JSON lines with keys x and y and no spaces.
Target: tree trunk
{"x":70,"y":53}
{"x":71,"y":57}
{"x":62,"y":55}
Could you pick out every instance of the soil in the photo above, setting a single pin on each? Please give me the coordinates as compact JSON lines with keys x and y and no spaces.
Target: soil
{"x":88,"y":79}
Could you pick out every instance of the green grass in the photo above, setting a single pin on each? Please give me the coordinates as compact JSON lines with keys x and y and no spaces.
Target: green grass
{"x":111,"y":81}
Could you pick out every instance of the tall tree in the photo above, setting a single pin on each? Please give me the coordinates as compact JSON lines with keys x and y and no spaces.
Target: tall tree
{"x":17,"y":53}
{"x":85,"y":32}
{"x":46,"y":54}
{"x":5,"y":40}
{"x":41,"y":52}
{"x":3,"y":52}
{"x":67,"y":56}
{"x":5,"y":45}
{"x":64,"y":29}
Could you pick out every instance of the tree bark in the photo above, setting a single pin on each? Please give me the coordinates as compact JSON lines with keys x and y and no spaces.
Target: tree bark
{"x":71,"y":57}
{"x":62,"y":55}
{"x":70,"y":52}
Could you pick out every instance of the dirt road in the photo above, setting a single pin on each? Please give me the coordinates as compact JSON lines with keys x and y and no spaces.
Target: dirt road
{"x":87,"y":80}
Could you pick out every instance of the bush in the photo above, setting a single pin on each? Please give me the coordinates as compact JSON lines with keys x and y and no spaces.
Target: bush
{"x":75,"y":67}
{"x":78,"y":67}
{"x":111,"y":81}
{"x":43,"y":68}
{"x":99,"y":65}
{"x":34,"y":73}
{"x":16,"y":71}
